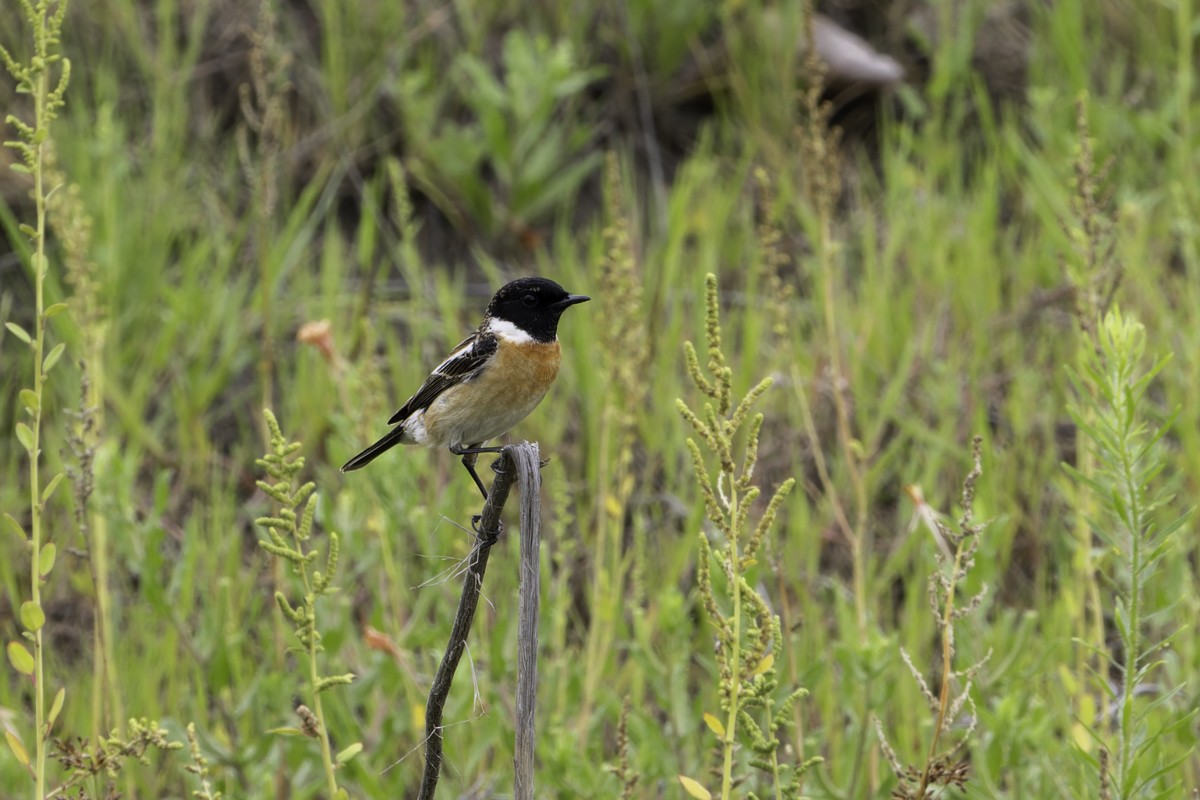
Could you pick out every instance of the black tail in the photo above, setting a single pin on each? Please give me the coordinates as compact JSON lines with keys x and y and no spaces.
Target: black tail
{"x":393,"y":437}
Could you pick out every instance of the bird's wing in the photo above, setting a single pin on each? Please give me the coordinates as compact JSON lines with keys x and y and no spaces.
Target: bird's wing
{"x":463,"y":364}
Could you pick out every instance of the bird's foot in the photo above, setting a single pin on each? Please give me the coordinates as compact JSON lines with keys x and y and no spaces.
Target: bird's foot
{"x":482,"y":537}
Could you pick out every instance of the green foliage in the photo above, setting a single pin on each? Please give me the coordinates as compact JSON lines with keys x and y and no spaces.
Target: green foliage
{"x":530,"y":127}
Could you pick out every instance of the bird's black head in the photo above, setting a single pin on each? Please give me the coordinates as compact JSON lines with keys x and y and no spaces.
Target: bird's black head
{"x":533,"y":305}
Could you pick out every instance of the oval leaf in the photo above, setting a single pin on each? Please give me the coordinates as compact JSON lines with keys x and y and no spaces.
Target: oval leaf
{"x":17,"y":748}
{"x":764,"y":665}
{"x":19,"y":332}
{"x":349,"y":753}
{"x":714,"y":724}
{"x":56,"y":707}
{"x":16,"y":527}
{"x":50,"y":487}
{"x":46,"y":558}
{"x":53,"y":357}
{"x":57,"y":308}
{"x":29,"y":399}
{"x":286,"y":731}
{"x":20,"y":658}
{"x":25,"y":436}
{"x":32,"y":616}
{"x":694,"y":788}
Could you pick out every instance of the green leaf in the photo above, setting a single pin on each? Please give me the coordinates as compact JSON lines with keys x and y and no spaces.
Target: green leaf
{"x":693,"y":788}
{"x":29,"y":399}
{"x":16,"y":526}
{"x":25,"y":437}
{"x":714,"y":724}
{"x":32,"y":616}
{"x":46,"y":558}
{"x":57,"y":308}
{"x":53,"y":357}
{"x":286,"y":731}
{"x":56,"y":707}
{"x":19,"y":332}
{"x":17,"y":748}
{"x":20,"y":658}
{"x":50,"y":487}
{"x":349,"y":753}
{"x":767,"y":662}
{"x":561,"y":184}
{"x":16,"y":166}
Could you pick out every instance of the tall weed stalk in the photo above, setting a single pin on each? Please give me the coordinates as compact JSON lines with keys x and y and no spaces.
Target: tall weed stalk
{"x":625,"y":358}
{"x":819,"y":142}
{"x":45,"y":78}
{"x":944,"y":765}
{"x":73,"y":228}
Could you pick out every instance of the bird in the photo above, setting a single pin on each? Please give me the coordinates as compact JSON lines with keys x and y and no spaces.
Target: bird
{"x":490,"y":382}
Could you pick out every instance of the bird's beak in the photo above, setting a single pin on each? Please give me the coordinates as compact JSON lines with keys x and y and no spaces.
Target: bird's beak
{"x":571,"y":300}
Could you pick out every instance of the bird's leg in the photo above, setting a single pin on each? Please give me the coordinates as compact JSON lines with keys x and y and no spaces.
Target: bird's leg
{"x":468,"y":461}
{"x":469,"y":456}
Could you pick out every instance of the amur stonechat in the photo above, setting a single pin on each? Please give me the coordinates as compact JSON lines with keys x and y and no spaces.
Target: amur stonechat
{"x":490,"y":382}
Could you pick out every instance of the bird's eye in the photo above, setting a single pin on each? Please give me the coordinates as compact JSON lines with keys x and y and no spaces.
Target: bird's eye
{"x":529,"y":300}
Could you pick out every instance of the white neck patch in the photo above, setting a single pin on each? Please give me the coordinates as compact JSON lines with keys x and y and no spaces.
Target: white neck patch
{"x":508,"y":331}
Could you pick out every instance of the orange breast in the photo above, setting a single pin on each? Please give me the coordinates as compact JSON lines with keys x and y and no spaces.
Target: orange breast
{"x":510,"y":387}
{"x":534,"y":364}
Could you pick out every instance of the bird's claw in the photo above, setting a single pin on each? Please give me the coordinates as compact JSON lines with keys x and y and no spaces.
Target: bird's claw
{"x":485,"y":538}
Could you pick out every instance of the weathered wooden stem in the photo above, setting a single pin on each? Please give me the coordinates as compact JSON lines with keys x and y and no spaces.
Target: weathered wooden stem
{"x":522,"y":464}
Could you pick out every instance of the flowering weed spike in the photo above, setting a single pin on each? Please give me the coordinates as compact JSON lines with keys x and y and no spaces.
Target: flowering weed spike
{"x":693,"y":367}
{"x":751,"y":457}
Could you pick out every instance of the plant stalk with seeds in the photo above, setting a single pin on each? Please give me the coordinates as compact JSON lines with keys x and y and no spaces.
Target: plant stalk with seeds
{"x":749,"y":635}
{"x":289,"y":533}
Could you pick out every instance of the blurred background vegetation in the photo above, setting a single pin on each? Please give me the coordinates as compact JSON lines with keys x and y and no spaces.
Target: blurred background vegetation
{"x":304,"y":205}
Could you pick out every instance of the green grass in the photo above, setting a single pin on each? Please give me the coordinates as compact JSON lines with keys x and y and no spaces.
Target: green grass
{"x":947,"y":250}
